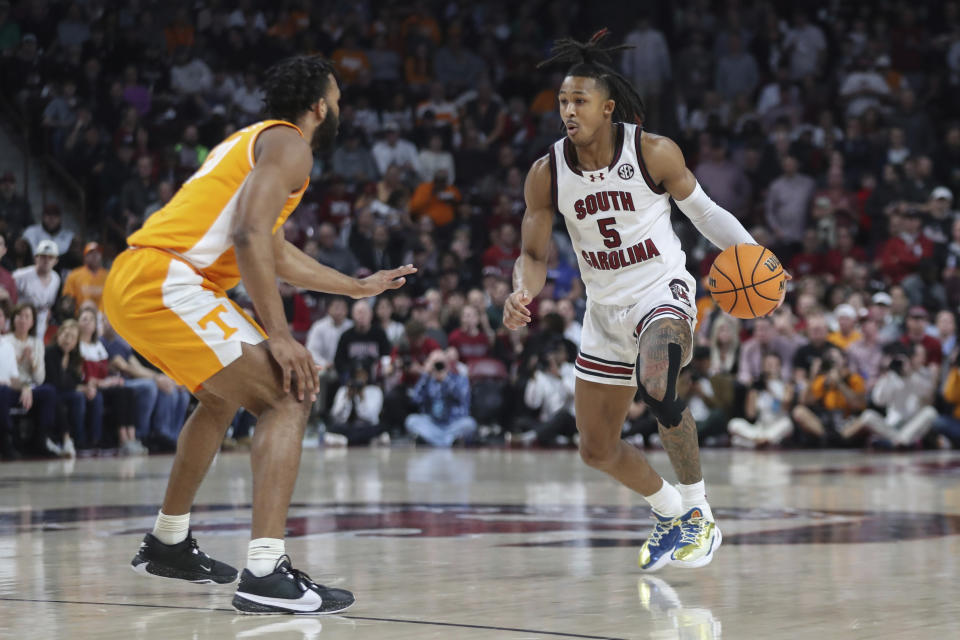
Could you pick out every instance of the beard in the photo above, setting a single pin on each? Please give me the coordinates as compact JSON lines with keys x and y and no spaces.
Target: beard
{"x":325,"y":135}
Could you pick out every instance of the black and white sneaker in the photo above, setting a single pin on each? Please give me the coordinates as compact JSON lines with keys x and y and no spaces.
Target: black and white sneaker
{"x":183,"y":561}
{"x":287,"y":590}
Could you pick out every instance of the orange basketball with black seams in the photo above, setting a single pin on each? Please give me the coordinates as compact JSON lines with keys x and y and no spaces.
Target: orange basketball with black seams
{"x":747,"y":281}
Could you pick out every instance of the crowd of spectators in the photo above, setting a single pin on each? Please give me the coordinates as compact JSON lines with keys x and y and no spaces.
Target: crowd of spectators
{"x":827,"y":128}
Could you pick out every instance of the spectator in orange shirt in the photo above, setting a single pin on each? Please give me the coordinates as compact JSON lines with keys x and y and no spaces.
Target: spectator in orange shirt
{"x":180,"y":32}
{"x":421,"y":24}
{"x":86,"y":282}
{"x":546,"y":100}
{"x":436,"y":199}
{"x":847,"y":332}
{"x":350,"y":60}
{"x":418,"y":68}
{"x":835,"y":395}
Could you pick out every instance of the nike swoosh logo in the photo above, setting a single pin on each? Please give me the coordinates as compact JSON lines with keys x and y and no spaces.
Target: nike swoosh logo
{"x":207,"y":569}
{"x":308,"y":602}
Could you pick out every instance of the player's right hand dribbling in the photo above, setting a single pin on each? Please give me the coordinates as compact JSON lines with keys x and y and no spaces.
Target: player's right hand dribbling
{"x":515,"y":312}
{"x":294,"y":359}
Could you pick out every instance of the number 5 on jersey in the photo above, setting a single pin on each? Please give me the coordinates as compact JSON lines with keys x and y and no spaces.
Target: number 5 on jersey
{"x":611,"y":238}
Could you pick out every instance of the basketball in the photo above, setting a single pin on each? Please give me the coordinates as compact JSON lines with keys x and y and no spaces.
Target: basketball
{"x":747,"y":281}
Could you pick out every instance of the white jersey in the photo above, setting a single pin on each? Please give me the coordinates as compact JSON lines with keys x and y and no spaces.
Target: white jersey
{"x":618,"y":220}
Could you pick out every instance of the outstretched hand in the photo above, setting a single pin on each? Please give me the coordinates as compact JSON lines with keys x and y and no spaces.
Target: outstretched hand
{"x":515,"y":312}
{"x":380,"y":281}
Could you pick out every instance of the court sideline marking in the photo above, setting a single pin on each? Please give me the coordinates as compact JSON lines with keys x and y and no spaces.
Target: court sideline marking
{"x":559,"y":634}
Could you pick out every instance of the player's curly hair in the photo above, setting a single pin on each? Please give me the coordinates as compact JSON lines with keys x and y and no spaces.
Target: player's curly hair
{"x":291,"y":86}
{"x":590,"y":60}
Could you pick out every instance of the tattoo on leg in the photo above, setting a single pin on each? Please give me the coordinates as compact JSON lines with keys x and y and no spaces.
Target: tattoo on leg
{"x":681,"y":445}
{"x":653,"y":357}
{"x":680,"y":441}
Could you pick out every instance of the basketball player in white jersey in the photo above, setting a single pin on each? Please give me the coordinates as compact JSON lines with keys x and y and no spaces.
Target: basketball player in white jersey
{"x":612,"y":183}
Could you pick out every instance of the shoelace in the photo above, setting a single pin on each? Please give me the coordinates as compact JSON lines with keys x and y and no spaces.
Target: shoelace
{"x":296,"y":574}
{"x":690,"y":529}
{"x":195,"y":548}
{"x":660,"y":529}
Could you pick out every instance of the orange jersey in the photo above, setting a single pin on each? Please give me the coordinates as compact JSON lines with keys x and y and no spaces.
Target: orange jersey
{"x":196,"y":224}
{"x":83,"y":284}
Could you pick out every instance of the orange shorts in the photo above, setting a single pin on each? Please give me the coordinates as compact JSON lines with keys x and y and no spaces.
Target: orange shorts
{"x":174,"y":317}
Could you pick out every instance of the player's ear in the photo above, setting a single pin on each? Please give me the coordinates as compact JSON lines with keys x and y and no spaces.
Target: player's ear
{"x":608,"y":107}
{"x":321,"y":108}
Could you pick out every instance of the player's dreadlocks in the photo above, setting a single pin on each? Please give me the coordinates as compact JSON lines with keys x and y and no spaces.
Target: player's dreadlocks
{"x":293,"y":85}
{"x":590,"y":60}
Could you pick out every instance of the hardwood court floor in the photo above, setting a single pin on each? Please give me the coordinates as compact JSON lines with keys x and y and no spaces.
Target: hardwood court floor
{"x":500,"y":544}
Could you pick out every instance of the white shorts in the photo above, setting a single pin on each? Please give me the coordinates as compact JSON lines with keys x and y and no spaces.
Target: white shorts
{"x":611,"y":333}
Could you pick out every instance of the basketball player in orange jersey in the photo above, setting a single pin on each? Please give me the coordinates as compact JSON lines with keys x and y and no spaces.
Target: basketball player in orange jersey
{"x":611,"y":181}
{"x":166,"y":295}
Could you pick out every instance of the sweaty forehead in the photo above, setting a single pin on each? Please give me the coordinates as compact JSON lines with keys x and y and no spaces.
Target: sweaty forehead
{"x":575,"y":85}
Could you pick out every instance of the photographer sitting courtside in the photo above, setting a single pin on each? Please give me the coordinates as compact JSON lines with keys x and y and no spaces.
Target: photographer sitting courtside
{"x":442,"y":397}
{"x":905,"y":391}
{"x":355,"y":416}
{"x":835,"y":394}
{"x":550,"y":390}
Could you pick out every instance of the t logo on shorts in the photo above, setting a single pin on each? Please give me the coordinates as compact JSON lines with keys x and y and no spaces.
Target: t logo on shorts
{"x":214,"y":317}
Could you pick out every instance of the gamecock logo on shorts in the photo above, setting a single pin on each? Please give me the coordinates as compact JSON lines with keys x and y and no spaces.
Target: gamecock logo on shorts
{"x":680,"y":290}
{"x":625,"y":171}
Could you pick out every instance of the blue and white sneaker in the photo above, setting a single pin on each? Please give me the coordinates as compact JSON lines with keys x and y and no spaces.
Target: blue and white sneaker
{"x":656,"y":551}
{"x":699,"y":539}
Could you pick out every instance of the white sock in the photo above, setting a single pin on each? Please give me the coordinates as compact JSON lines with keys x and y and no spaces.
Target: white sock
{"x":262,"y":555}
{"x":666,"y":501}
{"x":695,"y":495}
{"x":171,"y":529}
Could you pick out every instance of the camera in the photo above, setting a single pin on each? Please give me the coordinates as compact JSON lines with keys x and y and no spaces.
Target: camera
{"x":897,"y":364}
{"x":440,"y":365}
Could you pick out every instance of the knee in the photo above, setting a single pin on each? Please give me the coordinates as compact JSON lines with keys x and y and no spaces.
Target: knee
{"x":291,"y":406}
{"x":654,"y":384}
{"x":598,"y":453}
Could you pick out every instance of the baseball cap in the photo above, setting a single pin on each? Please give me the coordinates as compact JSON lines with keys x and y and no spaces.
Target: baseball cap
{"x":845,"y":311}
{"x":942,"y":192}
{"x":918,"y":312}
{"x":91,"y":246}
{"x":492,"y":270}
{"x":47,"y":248}
{"x":51,"y":209}
{"x":882,"y":297}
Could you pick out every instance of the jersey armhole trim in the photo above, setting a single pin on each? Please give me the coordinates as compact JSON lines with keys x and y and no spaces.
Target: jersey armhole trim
{"x":617,"y":145}
{"x":253,"y":141}
{"x":568,"y":158}
{"x":657,"y":189}
{"x":554,"y":188}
